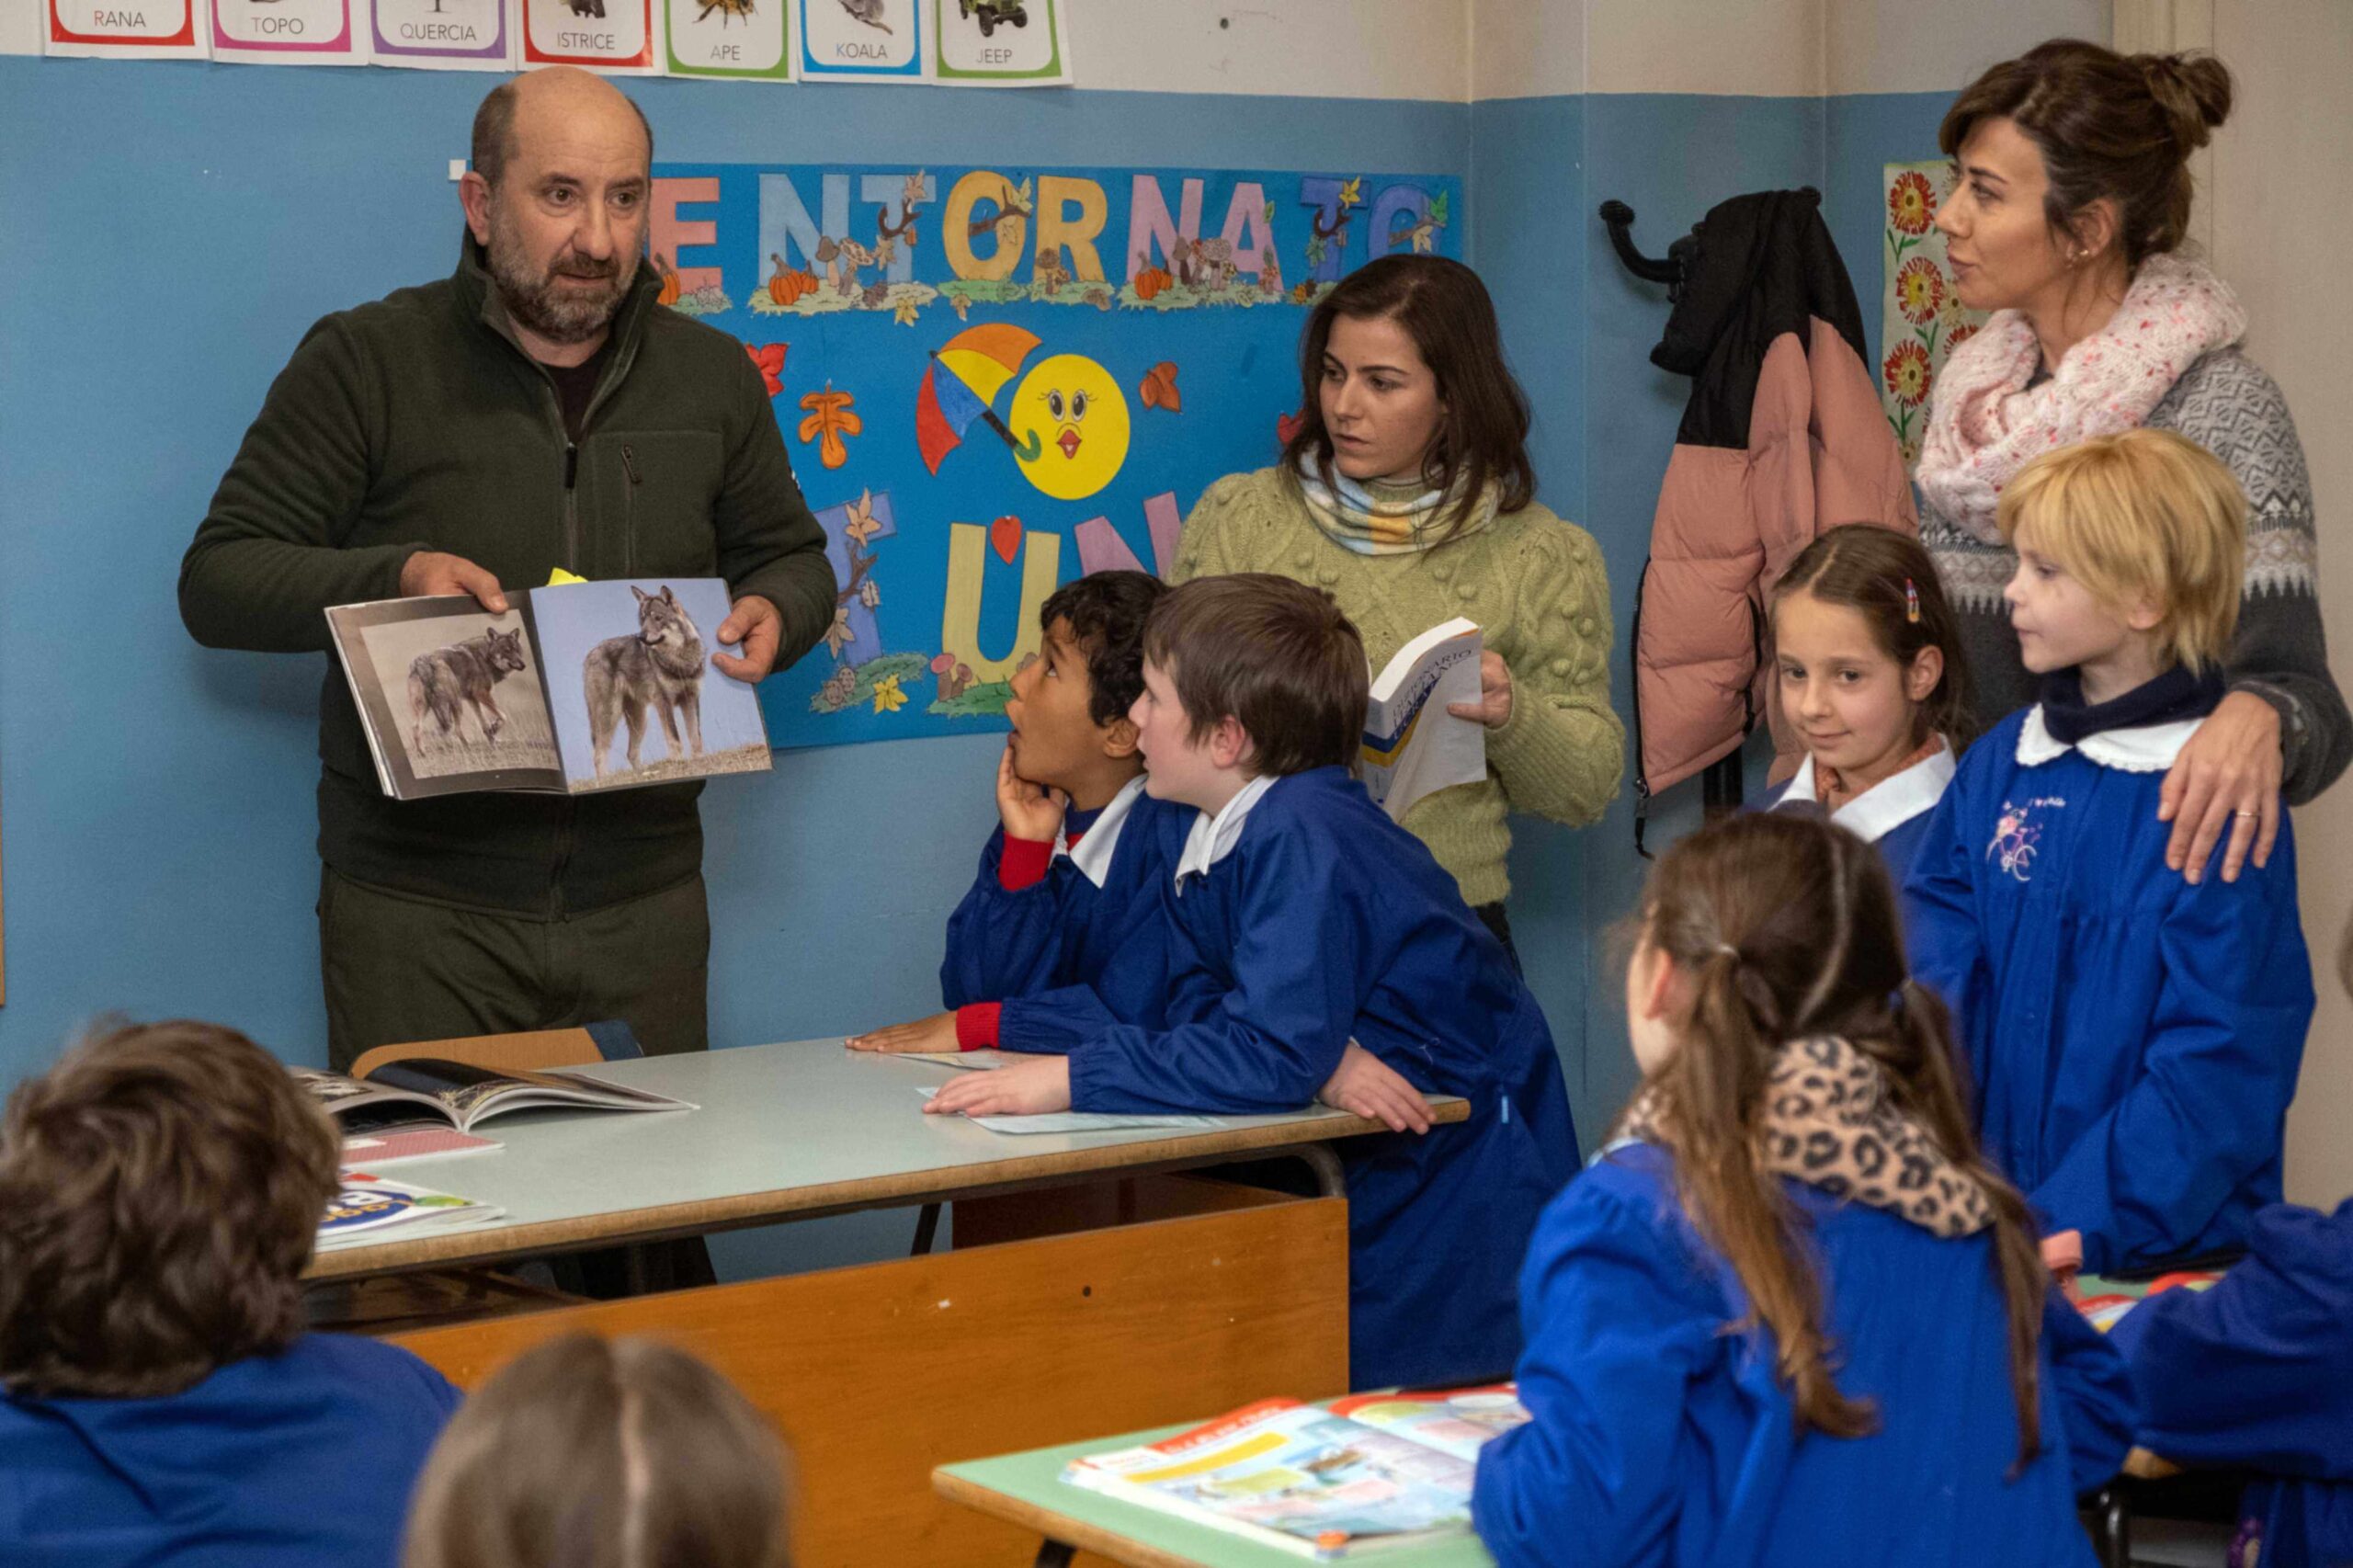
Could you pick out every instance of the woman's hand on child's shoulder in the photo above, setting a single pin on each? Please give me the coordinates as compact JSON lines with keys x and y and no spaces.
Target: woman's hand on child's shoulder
{"x":936,"y":1032}
{"x":1029,"y":811}
{"x":2226,"y":780}
{"x":1365,"y":1085}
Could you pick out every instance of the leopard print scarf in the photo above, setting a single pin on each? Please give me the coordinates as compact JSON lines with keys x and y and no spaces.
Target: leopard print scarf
{"x":1831,"y":1121}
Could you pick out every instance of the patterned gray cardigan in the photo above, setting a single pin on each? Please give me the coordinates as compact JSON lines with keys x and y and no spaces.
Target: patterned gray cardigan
{"x":2225,"y":404}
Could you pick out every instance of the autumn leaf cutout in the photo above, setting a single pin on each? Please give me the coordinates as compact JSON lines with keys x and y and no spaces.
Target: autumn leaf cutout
{"x":829,"y":420}
{"x":1160,"y":387}
{"x":770,"y":360}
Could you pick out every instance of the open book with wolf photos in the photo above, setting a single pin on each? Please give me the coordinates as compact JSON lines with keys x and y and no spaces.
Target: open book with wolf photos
{"x":1363,"y":1474}
{"x":575,"y":688}
{"x":1412,"y":745}
{"x":419,"y":1088}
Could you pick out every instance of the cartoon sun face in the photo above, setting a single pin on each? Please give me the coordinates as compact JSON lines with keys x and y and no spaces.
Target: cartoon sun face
{"x":1070,"y":420}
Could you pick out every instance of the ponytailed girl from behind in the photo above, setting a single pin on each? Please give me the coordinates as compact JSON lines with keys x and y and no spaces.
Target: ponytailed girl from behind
{"x":1790,"y":1314}
{"x":1868,"y":657}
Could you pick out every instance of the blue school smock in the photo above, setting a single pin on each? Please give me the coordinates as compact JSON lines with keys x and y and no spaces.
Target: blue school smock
{"x":2258,"y":1373}
{"x":2133,"y":1038}
{"x":1322,"y":922}
{"x":1892,"y":815}
{"x":301,"y":1460}
{"x":1082,"y":949}
{"x":1658,"y":1437}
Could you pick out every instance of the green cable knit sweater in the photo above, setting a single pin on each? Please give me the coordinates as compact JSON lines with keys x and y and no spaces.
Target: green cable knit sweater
{"x":1537,"y":588}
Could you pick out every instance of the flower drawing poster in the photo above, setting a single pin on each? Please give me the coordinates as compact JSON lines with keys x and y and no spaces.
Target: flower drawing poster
{"x":1923,"y":321}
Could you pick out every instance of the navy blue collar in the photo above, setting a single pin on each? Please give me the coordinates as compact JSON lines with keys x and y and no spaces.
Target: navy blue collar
{"x":2169,"y":699}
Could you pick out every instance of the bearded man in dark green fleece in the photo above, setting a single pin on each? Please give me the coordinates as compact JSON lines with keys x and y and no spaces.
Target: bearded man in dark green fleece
{"x":536,"y":409}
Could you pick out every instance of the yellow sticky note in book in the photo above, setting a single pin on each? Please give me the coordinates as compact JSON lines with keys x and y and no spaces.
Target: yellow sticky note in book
{"x":558,"y":577}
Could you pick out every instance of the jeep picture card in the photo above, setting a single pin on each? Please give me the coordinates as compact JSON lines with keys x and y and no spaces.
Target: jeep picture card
{"x":633,"y":693}
{"x":449,"y":694}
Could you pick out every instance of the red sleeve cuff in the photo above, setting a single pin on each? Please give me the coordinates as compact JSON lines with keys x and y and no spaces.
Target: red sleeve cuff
{"x":976,"y":1026}
{"x":1022,"y":863}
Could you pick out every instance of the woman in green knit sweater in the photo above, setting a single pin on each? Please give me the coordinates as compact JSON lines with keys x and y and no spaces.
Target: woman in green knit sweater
{"x":1406,"y":491}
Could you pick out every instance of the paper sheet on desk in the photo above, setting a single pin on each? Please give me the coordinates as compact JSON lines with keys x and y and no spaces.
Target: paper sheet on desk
{"x":965,"y":1060}
{"x":1086,"y":1120}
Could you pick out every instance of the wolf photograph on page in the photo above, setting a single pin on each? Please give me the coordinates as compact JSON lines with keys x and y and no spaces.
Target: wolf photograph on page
{"x":635,"y":696}
{"x":464,"y":694}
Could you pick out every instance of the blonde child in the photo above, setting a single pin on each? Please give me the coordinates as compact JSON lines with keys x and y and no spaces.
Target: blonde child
{"x":1867,"y":658}
{"x":1790,"y":1315}
{"x":2133,"y":1032}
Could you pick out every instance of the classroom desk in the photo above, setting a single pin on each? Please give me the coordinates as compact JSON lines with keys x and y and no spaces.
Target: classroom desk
{"x":785,"y":1132}
{"x":1026,"y":1489}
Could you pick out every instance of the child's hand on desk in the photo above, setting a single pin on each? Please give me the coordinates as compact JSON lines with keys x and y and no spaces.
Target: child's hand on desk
{"x":1029,"y":811}
{"x":936,"y":1032}
{"x":1365,"y":1085}
{"x":1031,"y":1088}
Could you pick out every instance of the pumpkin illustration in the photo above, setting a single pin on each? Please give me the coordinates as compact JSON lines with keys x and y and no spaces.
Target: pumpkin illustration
{"x":786,"y":284}
{"x":1150,"y":281}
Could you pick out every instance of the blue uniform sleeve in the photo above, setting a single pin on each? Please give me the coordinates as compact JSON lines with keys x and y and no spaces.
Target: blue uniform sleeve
{"x":2146,"y":1179}
{"x":1939,"y":907}
{"x":2091,"y":1393}
{"x":1000,"y":944}
{"x":1615,"y":1332}
{"x":2259,"y":1371}
{"x":1056,"y":1021}
{"x":1270,"y":1040}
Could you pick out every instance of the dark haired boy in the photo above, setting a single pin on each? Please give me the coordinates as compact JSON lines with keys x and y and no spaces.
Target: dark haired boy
{"x":161,"y":1189}
{"x":1061,"y":935}
{"x":1316,"y":946}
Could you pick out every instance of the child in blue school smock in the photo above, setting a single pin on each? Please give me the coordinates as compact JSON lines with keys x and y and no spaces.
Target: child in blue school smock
{"x":1060,"y":935}
{"x":1317,"y":950}
{"x":2133,"y":1032}
{"x":1867,"y":663}
{"x":161,"y":1190}
{"x":1791,"y":1316}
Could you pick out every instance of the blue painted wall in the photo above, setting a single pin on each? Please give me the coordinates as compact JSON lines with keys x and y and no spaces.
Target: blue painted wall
{"x":173,"y":230}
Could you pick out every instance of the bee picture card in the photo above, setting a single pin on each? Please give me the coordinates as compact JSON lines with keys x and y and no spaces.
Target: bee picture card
{"x":744,"y":40}
{"x":591,"y":687}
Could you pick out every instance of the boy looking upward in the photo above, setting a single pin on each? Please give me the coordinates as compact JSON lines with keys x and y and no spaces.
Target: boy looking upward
{"x":1060,"y":935}
{"x":1314,"y":945}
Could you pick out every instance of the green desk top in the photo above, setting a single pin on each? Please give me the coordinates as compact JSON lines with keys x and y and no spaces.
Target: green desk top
{"x":1028,"y":1490}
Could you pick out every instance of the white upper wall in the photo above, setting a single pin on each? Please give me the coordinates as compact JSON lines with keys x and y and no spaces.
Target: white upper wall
{"x":1756,"y":48}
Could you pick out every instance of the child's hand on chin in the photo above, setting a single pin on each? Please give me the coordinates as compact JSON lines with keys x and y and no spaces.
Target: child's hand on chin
{"x":1029,"y":811}
{"x":1032,"y":1088}
{"x":936,"y":1032}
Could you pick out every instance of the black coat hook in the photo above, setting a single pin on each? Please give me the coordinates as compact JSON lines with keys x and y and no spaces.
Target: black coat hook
{"x":1620,"y":219}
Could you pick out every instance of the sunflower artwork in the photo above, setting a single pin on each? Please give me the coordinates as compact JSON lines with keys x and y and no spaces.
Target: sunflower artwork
{"x":1924,"y":320}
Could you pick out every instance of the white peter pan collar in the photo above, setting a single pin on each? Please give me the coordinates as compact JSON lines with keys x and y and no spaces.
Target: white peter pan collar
{"x":2148,"y":748}
{"x":1097,"y":844}
{"x":1213,"y":837}
{"x":1886,"y":805}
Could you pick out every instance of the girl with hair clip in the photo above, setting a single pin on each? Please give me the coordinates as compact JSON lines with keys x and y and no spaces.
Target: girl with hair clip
{"x":1789,"y":1314}
{"x":1406,"y":491}
{"x":1872,"y":678}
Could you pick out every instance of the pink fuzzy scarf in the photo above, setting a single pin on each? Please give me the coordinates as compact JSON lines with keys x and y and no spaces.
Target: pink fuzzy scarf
{"x":1987,"y":423}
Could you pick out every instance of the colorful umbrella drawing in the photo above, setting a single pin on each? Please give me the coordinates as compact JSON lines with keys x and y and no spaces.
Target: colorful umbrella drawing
{"x":963,"y":380}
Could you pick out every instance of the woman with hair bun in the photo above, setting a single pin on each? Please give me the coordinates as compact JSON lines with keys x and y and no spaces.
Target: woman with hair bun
{"x":2071,"y":199}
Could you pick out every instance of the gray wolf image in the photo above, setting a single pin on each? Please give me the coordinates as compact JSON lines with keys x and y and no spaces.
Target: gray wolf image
{"x":660,"y":668}
{"x":461,"y":673}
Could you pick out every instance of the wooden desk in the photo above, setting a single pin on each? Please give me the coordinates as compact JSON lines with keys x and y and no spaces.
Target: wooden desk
{"x":1026,"y":1489}
{"x":785,"y":1132}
